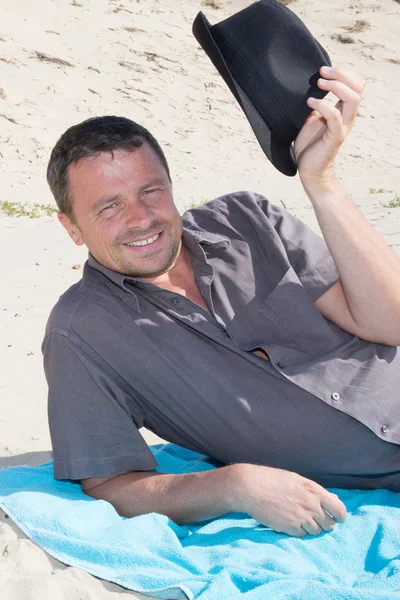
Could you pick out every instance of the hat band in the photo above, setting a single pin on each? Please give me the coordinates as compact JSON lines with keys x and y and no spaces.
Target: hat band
{"x":258,"y":94}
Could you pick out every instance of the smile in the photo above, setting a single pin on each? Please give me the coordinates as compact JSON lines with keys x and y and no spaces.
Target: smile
{"x":144,"y":242}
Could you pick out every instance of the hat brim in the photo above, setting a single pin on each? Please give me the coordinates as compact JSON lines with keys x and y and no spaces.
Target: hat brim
{"x":279,"y":153}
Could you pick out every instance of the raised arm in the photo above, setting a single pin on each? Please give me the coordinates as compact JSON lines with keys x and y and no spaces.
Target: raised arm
{"x":366,"y":302}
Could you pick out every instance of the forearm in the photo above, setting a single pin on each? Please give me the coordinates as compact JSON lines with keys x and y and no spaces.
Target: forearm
{"x":183,"y":498}
{"x":282,"y":500}
{"x":369,"y":270}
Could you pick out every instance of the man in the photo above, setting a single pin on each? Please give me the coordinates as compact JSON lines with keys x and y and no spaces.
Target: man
{"x":234,"y":332}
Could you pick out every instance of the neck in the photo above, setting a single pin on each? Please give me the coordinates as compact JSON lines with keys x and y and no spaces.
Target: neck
{"x":180,"y":279}
{"x":177,"y":275}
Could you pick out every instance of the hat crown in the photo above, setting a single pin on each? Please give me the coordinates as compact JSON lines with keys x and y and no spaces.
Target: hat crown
{"x":279,"y":51}
{"x":270,"y":62}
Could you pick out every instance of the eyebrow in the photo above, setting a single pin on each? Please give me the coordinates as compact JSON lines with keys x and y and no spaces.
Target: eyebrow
{"x":109,"y":199}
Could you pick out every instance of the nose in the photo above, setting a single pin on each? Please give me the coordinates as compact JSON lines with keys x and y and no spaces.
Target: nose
{"x":139,"y":215}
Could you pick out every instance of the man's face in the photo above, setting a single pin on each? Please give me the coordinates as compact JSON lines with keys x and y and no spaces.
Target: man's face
{"x":124,"y":212}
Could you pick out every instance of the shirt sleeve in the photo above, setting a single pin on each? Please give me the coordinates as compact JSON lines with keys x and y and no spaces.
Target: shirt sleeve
{"x":307,"y":252}
{"x":93,"y":430}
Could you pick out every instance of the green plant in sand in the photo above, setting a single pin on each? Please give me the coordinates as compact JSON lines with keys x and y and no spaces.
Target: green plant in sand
{"x":380,"y":191}
{"x":393,"y":203}
{"x":23,"y":209}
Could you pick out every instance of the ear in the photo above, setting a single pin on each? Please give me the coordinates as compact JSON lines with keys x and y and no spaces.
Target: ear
{"x":72,"y":228}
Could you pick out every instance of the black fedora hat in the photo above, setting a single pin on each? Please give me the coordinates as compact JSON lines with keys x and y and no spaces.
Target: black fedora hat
{"x":270,"y":61}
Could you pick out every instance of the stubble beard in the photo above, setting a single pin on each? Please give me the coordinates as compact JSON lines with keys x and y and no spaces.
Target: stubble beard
{"x":135,"y":270}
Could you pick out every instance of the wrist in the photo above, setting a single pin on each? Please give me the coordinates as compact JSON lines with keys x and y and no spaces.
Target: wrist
{"x":322,"y":188}
{"x":236,"y":488}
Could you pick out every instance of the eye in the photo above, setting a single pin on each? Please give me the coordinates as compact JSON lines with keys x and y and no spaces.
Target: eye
{"x":109,"y":206}
{"x":150,"y":191}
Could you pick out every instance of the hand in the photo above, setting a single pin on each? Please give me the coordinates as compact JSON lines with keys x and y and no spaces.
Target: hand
{"x":287,"y":502}
{"x":326,"y":128}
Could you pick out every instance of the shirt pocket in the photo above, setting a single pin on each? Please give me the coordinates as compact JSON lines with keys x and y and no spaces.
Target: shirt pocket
{"x":296,"y":326}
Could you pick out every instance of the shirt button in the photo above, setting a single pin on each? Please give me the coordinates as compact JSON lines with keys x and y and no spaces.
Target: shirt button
{"x":335,"y":396}
{"x":174,"y":300}
{"x":385,"y":429}
{"x":280,"y":365}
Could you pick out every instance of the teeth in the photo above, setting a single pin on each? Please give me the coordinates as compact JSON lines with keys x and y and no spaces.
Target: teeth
{"x":144,"y":242}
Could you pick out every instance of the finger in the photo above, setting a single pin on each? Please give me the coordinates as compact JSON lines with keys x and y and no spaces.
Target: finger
{"x":324,"y":520}
{"x":332,"y":116}
{"x":351,"y":100}
{"x":334,"y":507}
{"x":298,"y":532}
{"x":312,"y":527}
{"x":342,"y":91}
{"x":349,"y":78}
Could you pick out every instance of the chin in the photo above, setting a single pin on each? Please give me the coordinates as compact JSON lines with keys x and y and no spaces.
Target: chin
{"x":143,"y":271}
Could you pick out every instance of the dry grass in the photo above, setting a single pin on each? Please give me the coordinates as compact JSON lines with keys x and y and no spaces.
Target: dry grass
{"x":9,"y":61}
{"x":212,"y":4}
{"x":51,"y":59}
{"x":121,"y":8}
{"x":131,"y":66}
{"x":10,"y":119}
{"x":133,"y":30}
{"x":343,"y":39}
{"x":286,"y":2}
{"x":358,"y":27}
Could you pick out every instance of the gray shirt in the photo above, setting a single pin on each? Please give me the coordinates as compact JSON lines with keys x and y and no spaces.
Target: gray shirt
{"x":120,"y":354}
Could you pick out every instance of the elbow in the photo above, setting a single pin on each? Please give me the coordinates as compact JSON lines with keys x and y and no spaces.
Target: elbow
{"x":394,"y":341}
{"x":386,"y":339}
{"x":387,"y":335}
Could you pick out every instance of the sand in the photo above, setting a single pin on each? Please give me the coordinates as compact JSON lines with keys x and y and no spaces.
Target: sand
{"x":61,"y":62}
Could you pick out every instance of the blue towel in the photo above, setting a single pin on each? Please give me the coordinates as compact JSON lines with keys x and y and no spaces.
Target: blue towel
{"x":219,"y":559}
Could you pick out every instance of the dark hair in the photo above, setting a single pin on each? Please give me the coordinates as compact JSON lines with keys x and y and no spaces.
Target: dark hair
{"x":90,"y":138}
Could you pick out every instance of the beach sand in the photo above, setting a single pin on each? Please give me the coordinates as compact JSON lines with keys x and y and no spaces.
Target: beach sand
{"x":64,"y":61}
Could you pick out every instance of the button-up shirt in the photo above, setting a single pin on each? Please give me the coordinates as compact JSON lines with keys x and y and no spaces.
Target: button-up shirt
{"x":121,"y":353}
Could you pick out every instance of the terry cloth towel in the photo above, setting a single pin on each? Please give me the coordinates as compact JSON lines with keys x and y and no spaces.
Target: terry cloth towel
{"x":219,"y":559}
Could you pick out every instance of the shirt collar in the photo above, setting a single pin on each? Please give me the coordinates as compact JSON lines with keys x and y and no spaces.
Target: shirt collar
{"x":115,"y":277}
{"x":191,"y":238}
